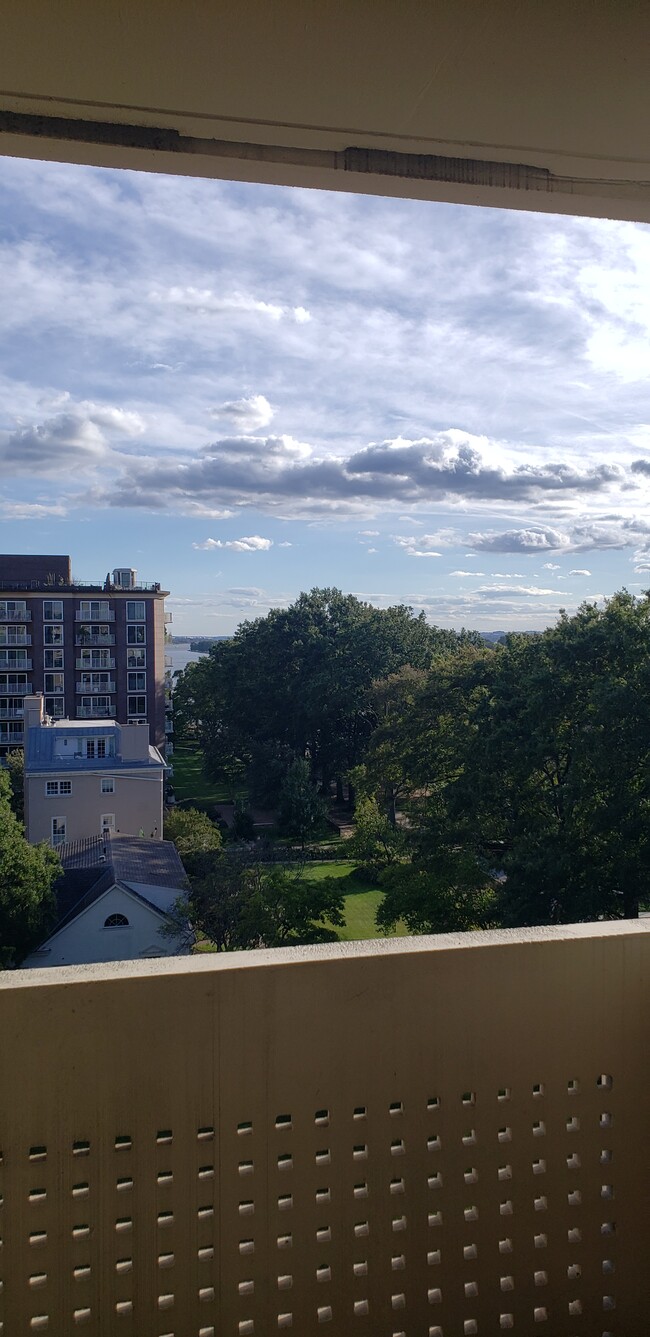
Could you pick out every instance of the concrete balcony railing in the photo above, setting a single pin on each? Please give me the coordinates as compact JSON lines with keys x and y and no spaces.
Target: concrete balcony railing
{"x":441,"y":1136}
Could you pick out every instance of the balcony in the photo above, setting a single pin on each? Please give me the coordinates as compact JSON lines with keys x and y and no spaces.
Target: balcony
{"x":169,"y":617}
{"x":95,"y":712}
{"x":16,"y":616}
{"x":10,"y":688}
{"x":169,"y":725}
{"x":108,"y":615}
{"x":89,"y":690}
{"x":94,"y":666}
{"x":97,"y":639}
{"x":21,"y":666}
{"x":15,"y":639}
{"x":11,"y":739}
{"x":11,"y":713}
{"x":442,"y":1135}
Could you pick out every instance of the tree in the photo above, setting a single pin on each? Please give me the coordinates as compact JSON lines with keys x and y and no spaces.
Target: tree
{"x":27,"y":874}
{"x":191,"y":830}
{"x":302,"y":811}
{"x":237,"y":901}
{"x":376,"y":842}
{"x":15,"y":764}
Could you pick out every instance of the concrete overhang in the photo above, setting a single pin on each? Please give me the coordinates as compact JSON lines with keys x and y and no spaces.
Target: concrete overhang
{"x":541,"y":106}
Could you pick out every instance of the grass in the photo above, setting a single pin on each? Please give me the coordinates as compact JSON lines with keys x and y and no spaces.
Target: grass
{"x":360,"y":904}
{"x":191,"y":784}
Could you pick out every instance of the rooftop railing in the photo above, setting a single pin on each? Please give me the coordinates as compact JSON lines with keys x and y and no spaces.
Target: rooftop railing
{"x":423,"y":1136}
{"x":52,"y":587}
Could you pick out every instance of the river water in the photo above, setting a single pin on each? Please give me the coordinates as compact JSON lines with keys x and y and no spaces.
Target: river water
{"x":181,"y":656}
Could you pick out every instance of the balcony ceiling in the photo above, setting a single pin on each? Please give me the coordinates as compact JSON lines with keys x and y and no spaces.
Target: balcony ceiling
{"x":517,"y":103}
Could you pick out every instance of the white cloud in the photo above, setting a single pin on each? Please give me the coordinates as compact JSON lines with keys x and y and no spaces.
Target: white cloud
{"x":576,"y":572}
{"x":205,"y":302}
{"x":550,"y":566}
{"x":248,"y":414}
{"x":251,"y":544}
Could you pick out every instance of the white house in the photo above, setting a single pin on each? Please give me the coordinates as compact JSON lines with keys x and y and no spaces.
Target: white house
{"x":115,"y":896}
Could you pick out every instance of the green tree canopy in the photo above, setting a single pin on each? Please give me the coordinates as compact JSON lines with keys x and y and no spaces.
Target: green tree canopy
{"x":27,"y":873}
{"x":191,"y":831}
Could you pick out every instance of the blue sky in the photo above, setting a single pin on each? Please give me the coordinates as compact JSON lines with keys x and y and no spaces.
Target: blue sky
{"x":245,"y":391}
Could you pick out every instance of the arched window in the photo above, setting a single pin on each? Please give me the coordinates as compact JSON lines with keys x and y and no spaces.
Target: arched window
{"x":116,"y":921}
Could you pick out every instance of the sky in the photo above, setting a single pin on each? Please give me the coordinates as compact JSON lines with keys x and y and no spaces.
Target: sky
{"x":245,"y":391}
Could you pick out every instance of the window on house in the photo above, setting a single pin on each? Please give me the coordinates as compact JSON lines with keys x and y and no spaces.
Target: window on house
{"x":107,"y":822}
{"x":58,"y":831}
{"x":136,"y":635}
{"x":90,"y":748}
{"x":54,"y":706}
{"x":53,"y":788}
{"x":108,"y":784}
{"x":116,"y":921}
{"x":136,"y":705}
{"x":53,"y":635}
{"x":101,"y":747}
{"x":53,"y":610}
{"x":53,"y":659}
{"x":136,"y":682}
{"x":135,"y":610}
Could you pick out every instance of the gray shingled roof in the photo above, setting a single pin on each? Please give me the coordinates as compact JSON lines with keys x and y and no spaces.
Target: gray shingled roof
{"x":93,"y":865}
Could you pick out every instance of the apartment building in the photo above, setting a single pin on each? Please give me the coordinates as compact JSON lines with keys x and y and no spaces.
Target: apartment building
{"x":89,"y":778}
{"x":95,"y":649}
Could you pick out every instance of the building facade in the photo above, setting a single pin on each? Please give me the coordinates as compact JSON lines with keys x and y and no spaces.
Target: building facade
{"x":85,"y":779}
{"x":96,"y":650}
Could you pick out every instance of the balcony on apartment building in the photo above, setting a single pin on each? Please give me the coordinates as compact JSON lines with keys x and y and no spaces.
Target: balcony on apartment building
{"x":14,"y":638}
{"x":98,"y":711}
{"x":11,"y":713}
{"x":95,"y":663}
{"x":15,"y":615}
{"x":89,"y":688}
{"x":11,"y":738}
{"x":9,"y":687}
{"x":439,"y":1136}
{"x":105,"y":614}
{"x":9,"y":661}
{"x":82,"y":637}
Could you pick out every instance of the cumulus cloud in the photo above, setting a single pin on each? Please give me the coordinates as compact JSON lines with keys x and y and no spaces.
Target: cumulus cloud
{"x":610,"y":533}
{"x":550,"y":566}
{"x":577,"y":572}
{"x":421,"y":545}
{"x":251,"y":544}
{"x":248,"y":414}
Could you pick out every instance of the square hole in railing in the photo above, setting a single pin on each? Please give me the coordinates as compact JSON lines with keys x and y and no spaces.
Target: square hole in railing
{"x":574,"y":1236}
{"x":540,"y":1314}
{"x":434,"y":1218}
{"x":324,"y":1234}
{"x":539,"y":1167}
{"x":360,"y":1190}
{"x":81,"y":1315}
{"x":166,"y":1301}
{"x":246,"y":1246}
{"x":360,"y":1269}
{"x":505,"y":1135}
{"x":37,"y":1238}
{"x":164,"y":1137}
{"x":435,"y":1331}
{"x":285,"y":1281}
{"x":323,"y":1157}
{"x":573,"y":1161}
{"x":244,"y":1168}
{"x":324,"y":1313}
{"x":504,"y":1093}
{"x":575,"y":1307}
{"x":471,"y":1289}
{"x":505,"y":1207}
{"x":322,"y":1118}
{"x":470,"y":1175}
{"x":506,"y":1320}
{"x":573,"y":1087}
{"x":81,"y":1147}
{"x":470,"y":1251}
{"x":434,"y":1295}
{"x":246,"y":1327}
{"x":39,"y":1322}
{"x":541,"y":1278}
{"x":538,"y":1090}
{"x":398,"y":1223}
{"x":285,"y":1161}
{"x":574,"y":1271}
{"x":123,"y":1142}
{"x":605,"y":1081}
{"x":606,"y":1156}
{"x":285,"y":1320}
{"x":397,"y":1185}
{"x":124,"y":1307}
{"x":505,"y":1246}
{"x":285,"y":1202}
{"x":573,"y":1124}
{"x":82,"y":1272}
{"x":246,"y":1287}
{"x":123,"y":1265}
{"x":38,"y":1279}
{"x":471,"y":1213}
{"x":608,"y":1265}
{"x":245,"y":1128}
{"x":541,"y":1203}
{"x":539,"y":1128}
{"x":82,"y":1232}
{"x":468,"y":1139}
{"x":398,"y":1262}
{"x":204,"y":1134}
{"x":397,"y":1147}
{"x":361,"y":1228}
{"x":504,"y":1172}
{"x":204,"y":1332}
{"x":468,"y":1098}
{"x":283,"y":1122}
{"x":360,"y":1112}
{"x":470,"y":1327}
{"x":396,"y":1107}
{"x":434,"y":1143}
{"x":125,"y":1183}
{"x":606,"y":1119}
{"x":507,"y":1283}
{"x":324,"y":1272}
{"x":608,"y":1228}
{"x":207,"y":1213}
{"x":433,"y":1103}
{"x":165,"y":1260}
{"x":360,"y":1152}
{"x":40,"y":1153}
{"x":435,"y":1181}
{"x":574,"y":1197}
{"x":37,"y":1195}
{"x":323,"y":1195}
{"x":165,"y":1219}
{"x":607,"y":1190}
{"x":283,"y":1241}
{"x":434,"y":1257}
{"x":360,"y":1307}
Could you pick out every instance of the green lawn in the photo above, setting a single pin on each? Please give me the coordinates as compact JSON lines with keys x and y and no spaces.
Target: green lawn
{"x":360,"y":904}
{"x":190,"y":782}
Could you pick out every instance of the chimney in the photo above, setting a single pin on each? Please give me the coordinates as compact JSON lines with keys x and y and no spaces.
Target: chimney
{"x":34,"y":712}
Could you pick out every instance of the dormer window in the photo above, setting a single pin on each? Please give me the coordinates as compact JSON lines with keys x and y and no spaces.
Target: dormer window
{"x":116,"y":921}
